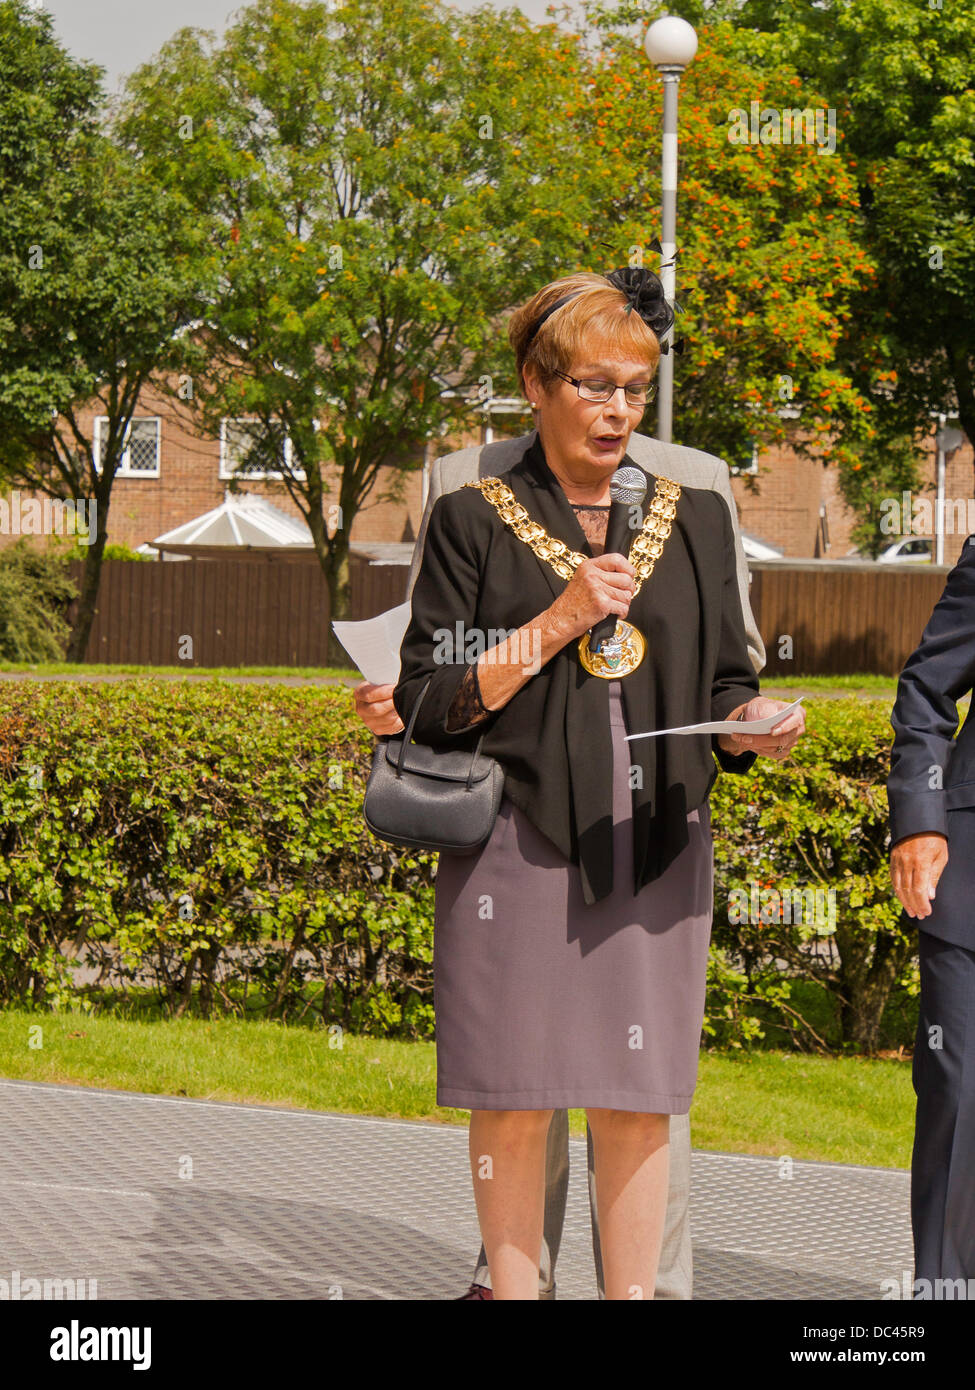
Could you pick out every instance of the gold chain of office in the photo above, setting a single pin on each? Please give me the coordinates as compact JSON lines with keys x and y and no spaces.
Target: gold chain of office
{"x":627,"y":649}
{"x":647,"y":545}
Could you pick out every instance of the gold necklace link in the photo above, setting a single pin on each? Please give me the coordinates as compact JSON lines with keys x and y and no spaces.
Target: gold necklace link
{"x":645,"y":550}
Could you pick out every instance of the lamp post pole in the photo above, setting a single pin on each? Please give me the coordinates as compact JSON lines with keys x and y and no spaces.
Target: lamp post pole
{"x":946,"y":442}
{"x":670,"y":44}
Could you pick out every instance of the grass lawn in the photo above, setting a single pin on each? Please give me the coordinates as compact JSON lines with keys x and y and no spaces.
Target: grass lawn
{"x":847,"y":1110}
{"x":875,"y":686}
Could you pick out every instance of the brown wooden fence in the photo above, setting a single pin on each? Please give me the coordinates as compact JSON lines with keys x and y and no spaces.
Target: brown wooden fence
{"x":842,"y":619}
{"x":239,"y":612}
{"x":260,"y":612}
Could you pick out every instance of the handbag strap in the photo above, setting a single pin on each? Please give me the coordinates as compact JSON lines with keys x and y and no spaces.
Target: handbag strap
{"x":408,"y":737}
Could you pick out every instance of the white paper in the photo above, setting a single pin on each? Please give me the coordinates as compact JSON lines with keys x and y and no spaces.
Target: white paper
{"x":374,"y":643}
{"x":731,"y":726}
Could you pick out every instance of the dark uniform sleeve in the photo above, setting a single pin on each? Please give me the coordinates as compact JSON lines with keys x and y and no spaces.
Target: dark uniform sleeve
{"x":925,"y":716}
{"x":443,"y":616}
{"x":735,"y":681}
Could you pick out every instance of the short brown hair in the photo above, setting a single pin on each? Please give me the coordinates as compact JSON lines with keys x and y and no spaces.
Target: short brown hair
{"x":595,"y":316}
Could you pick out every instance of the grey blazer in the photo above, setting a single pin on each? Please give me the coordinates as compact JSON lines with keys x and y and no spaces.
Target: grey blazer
{"x":689,"y":466}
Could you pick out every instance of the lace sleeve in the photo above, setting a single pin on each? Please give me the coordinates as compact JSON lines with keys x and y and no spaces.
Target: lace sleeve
{"x":467,"y":708}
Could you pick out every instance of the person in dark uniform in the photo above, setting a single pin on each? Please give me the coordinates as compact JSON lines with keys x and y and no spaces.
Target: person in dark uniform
{"x":931,"y":793}
{"x":570,"y":952}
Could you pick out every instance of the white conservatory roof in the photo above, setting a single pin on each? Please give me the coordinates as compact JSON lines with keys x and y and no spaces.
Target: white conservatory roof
{"x":241,"y":520}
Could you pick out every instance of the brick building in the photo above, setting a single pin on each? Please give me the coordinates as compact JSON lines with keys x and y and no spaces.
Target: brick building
{"x":797,"y":505}
{"x":171,"y":475}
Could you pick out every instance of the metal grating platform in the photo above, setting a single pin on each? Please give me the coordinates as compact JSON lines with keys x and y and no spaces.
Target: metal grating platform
{"x":285,"y":1204}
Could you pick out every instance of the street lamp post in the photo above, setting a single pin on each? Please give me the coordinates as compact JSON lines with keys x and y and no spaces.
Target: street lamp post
{"x":946,"y":441}
{"x":670,"y":45}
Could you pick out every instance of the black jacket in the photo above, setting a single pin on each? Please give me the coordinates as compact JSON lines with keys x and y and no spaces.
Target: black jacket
{"x":931,"y":771}
{"x":553,"y":737}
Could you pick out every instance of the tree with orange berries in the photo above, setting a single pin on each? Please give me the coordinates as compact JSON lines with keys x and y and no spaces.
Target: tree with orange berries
{"x":771,"y":259}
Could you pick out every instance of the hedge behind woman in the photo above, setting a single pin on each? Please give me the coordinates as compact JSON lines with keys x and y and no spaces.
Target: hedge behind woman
{"x":570,"y":951}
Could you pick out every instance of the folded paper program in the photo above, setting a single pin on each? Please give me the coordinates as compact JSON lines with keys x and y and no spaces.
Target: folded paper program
{"x":374,"y":643}
{"x":730,"y":726}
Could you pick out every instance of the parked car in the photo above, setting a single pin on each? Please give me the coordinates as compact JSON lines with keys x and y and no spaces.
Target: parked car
{"x":907,"y":550}
{"x":916,"y":549}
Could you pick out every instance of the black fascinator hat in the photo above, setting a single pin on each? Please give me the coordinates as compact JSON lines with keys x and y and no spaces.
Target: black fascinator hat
{"x":645,"y":292}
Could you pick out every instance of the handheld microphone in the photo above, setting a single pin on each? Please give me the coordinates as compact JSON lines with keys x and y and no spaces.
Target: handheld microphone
{"x":627,"y":488}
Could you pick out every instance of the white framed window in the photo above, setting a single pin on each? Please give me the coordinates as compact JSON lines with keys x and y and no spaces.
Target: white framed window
{"x":243,"y":437}
{"x":140,"y":457}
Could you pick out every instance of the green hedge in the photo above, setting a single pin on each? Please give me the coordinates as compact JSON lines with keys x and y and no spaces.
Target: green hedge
{"x":816,"y":823}
{"x":35,"y":590}
{"x":206,"y":838}
{"x":202,"y":845}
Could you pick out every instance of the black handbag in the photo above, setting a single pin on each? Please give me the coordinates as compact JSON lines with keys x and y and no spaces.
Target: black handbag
{"x":431,"y":798}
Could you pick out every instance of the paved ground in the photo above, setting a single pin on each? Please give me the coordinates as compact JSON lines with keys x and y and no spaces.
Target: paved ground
{"x":284,"y":1204}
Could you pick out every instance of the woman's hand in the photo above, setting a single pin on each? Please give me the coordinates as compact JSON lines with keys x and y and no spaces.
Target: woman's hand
{"x":600,"y":586}
{"x":779,"y":743}
{"x":374,"y":706}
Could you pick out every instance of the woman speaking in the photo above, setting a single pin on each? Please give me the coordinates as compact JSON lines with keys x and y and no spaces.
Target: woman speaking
{"x":570,"y":950}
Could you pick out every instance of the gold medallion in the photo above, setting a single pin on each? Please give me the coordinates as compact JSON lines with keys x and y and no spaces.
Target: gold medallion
{"x":618,"y":655}
{"x":624,"y":651}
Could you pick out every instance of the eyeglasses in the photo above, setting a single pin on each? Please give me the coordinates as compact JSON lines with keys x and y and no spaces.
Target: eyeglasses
{"x":593,"y":389}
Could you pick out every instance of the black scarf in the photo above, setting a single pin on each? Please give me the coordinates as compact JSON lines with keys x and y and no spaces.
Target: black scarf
{"x":587,"y":729}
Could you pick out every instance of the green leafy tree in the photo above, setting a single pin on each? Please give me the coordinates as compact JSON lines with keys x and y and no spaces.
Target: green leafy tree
{"x":770,"y":253}
{"x":379,"y":182}
{"x":899,"y":75}
{"x":97,"y":279}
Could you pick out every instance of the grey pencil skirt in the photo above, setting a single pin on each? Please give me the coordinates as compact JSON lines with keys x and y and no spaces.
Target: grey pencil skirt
{"x":543,"y":1002}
